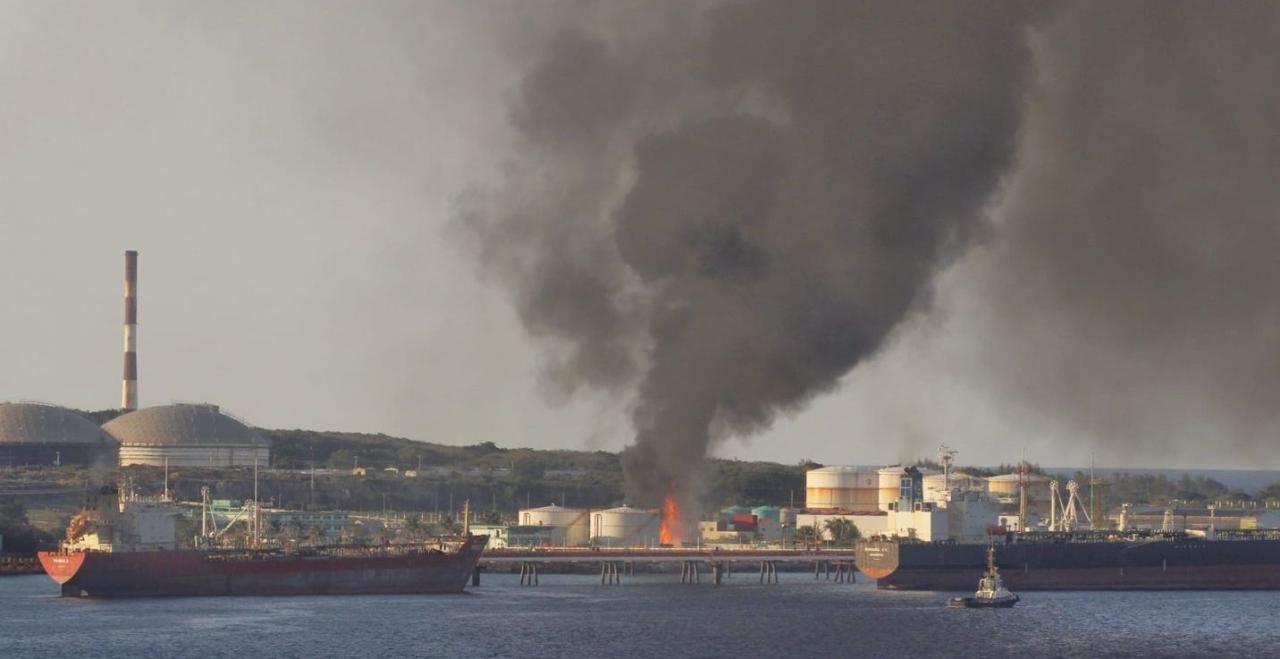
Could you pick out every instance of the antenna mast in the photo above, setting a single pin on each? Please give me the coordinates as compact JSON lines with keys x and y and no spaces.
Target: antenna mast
{"x":256,"y":516}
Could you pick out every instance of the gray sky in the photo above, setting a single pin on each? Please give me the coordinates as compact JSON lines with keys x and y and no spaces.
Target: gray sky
{"x":291,"y":173}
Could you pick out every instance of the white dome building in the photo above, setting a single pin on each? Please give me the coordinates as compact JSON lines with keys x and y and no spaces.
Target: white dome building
{"x":187,"y":435}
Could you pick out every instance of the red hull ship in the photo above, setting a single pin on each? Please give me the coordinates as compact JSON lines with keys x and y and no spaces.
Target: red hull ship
{"x":128,"y":548}
{"x":327,"y":571}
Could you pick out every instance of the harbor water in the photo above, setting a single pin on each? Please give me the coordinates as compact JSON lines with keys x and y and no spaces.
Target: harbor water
{"x":646,"y":616}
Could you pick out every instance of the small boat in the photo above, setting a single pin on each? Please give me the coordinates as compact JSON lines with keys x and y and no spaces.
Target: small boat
{"x":991,"y":591}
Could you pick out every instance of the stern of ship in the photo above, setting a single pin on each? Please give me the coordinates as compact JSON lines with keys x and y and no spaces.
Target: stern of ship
{"x":877,"y":558}
{"x":61,"y":567}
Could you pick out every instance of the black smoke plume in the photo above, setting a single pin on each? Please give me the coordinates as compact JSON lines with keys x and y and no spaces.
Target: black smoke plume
{"x":1130,"y":297}
{"x":722,"y":211}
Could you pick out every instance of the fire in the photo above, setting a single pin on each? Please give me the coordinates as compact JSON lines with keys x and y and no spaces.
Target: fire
{"x":672,"y":531}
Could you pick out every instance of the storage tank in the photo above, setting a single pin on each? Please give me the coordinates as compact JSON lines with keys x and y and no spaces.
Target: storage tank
{"x":935,"y":487}
{"x":890,"y":485}
{"x":625,"y":527}
{"x":968,"y":482}
{"x":768,"y":512}
{"x":854,"y":489}
{"x":1005,"y":486}
{"x":576,"y":522}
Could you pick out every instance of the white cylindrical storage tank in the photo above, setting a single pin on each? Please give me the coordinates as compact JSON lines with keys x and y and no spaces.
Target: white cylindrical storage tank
{"x":935,"y":487}
{"x":625,"y":527}
{"x":854,"y":489}
{"x":890,"y":485}
{"x":1005,"y":486}
{"x":576,"y":522}
{"x":968,"y":482}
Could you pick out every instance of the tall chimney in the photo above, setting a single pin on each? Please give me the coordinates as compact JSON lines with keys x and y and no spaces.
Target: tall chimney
{"x":129,"y":389}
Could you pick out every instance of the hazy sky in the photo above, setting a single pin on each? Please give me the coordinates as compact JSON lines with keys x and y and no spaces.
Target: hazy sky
{"x":291,"y":174}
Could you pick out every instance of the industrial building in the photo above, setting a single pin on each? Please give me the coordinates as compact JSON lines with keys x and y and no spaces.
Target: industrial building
{"x":187,"y":435}
{"x":843,"y":490}
{"x":900,"y":501}
{"x":868,"y":524}
{"x":506,"y":536}
{"x":739,"y":525}
{"x":40,"y":434}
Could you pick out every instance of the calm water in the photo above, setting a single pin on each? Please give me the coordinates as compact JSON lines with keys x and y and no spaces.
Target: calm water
{"x":648,"y":616}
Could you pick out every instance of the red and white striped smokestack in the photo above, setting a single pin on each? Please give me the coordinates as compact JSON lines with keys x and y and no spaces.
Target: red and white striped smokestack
{"x":129,"y":390}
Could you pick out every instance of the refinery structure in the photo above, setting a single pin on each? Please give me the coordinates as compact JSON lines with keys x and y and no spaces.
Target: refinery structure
{"x":39,"y":433}
{"x":921,"y":503}
{"x":179,"y":434}
{"x":187,"y":435}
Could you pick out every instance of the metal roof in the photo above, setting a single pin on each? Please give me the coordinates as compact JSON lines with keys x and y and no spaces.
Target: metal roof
{"x":182,"y":424}
{"x":38,"y":423}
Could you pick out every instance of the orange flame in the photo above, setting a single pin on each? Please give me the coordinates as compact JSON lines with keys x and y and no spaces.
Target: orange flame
{"x":672,"y":531}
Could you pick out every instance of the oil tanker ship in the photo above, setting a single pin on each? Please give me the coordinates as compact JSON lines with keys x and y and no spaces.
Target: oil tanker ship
{"x":119,"y":548}
{"x":1082,"y":561}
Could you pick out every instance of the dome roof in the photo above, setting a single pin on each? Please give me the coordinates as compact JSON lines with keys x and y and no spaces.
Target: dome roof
{"x":1013,"y":478}
{"x":182,"y":424}
{"x":624,"y":509}
{"x":23,"y":423}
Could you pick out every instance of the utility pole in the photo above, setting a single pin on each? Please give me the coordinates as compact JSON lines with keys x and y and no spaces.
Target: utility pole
{"x":1093,"y":481}
{"x":257,"y":518}
{"x":1022,"y":496}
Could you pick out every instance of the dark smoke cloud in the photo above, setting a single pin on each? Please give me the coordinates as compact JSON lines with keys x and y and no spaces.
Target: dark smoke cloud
{"x":722,"y":212}
{"x":1133,"y":285}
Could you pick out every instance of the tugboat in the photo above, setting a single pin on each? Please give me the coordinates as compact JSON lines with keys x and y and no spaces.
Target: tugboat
{"x":991,"y":591}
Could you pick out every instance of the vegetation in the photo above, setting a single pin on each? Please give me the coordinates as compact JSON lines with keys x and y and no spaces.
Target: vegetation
{"x":734,"y":482}
{"x":843,"y":532}
{"x":1161,"y":489}
{"x":807,"y":536}
{"x":987,"y":472}
{"x":19,"y":535}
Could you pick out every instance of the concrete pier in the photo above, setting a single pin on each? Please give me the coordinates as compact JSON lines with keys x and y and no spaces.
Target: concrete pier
{"x":528,"y":573}
{"x":611,"y":573}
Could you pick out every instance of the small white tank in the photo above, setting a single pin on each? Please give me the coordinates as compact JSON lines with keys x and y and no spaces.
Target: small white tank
{"x":576,"y":522}
{"x":625,"y":527}
{"x":1005,"y":486}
